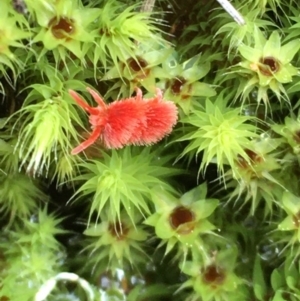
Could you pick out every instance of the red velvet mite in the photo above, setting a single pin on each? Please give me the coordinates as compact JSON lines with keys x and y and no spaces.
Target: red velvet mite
{"x":130,"y":121}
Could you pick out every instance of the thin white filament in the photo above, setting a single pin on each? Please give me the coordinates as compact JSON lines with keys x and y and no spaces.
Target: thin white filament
{"x":50,"y":284}
{"x":232,"y":12}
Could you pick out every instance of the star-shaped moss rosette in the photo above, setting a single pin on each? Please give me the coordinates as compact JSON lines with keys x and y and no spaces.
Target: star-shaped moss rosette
{"x":119,"y":30}
{"x":41,"y":230}
{"x":182,"y":84}
{"x":241,"y":34}
{"x":257,"y":179}
{"x":33,"y":255}
{"x":11,"y":36}
{"x":290,"y":130}
{"x":266,"y":66}
{"x":113,"y":244}
{"x":9,"y":159}
{"x":19,"y":195}
{"x":28,"y":271}
{"x":45,"y":126}
{"x":221,"y":132}
{"x":124,"y":180}
{"x":141,"y":70}
{"x":214,"y":279}
{"x":290,"y":225}
{"x":64,"y":29}
{"x":265,"y":5}
{"x":183,"y":220}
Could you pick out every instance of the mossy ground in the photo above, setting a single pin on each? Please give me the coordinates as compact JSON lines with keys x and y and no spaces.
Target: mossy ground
{"x":209,"y":213}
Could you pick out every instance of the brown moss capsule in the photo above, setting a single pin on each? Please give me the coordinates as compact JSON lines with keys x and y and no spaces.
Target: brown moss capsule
{"x":213,"y":275}
{"x":182,"y":220}
{"x":268,"y":65}
{"x":118,"y":230}
{"x":176,"y":85}
{"x":62,"y":28}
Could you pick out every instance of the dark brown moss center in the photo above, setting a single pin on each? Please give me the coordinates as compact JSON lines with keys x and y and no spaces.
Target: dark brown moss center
{"x":182,"y":217}
{"x":137,"y":64}
{"x":213,"y":274}
{"x":176,"y":85}
{"x":296,"y":136}
{"x":268,"y":65}
{"x":253,"y":156}
{"x":118,"y":230}
{"x":61,"y":28}
{"x":296,"y":220}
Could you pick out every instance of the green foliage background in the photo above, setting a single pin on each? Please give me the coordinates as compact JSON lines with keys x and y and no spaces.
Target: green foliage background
{"x":211,"y":212}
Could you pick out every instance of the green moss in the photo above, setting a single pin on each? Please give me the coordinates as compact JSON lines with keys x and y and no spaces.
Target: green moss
{"x":209,"y":212}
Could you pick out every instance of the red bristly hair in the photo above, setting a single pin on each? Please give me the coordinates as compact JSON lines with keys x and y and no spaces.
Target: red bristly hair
{"x":130,"y":121}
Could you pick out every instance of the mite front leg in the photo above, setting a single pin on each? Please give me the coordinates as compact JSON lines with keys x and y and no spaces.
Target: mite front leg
{"x":97,"y":98}
{"x":139,"y":94}
{"x":91,"y":140}
{"x":82,"y":103}
{"x":158,"y":95}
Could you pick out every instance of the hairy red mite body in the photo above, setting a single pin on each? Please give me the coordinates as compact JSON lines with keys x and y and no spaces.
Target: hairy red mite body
{"x":130,"y":121}
{"x":160,"y":114}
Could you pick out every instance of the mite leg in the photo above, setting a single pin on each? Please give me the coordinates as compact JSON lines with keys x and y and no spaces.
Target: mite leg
{"x":158,"y":95}
{"x":97,"y":98}
{"x":139,"y":94}
{"x":82,"y":103}
{"x":91,"y":140}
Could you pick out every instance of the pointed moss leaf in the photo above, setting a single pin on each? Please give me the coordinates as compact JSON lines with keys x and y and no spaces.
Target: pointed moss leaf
{"x":291,"y":273}
{"x":204,"y":226}
{"x":202,"y":89}
{"x":272,"y":46}
{"x":139,"y":235}
{"x":189,"y":64}
{"x":197,"y":72}
{"x":288,"y":51}
{"x":228,"y":257}
{"x":259,"y":37}
{"x":43,"y":90}
{"x":204,"y":208}
{"x":291,"y":202}
{"x":277,"y":280}
{"x":249,"y":53}
{"x":260,"y":288}
{"x":152,"y":219}
{"x":279,"y":296}
{"x":163,"y":229}
{"x":189,"y":268}
{"x":284,"y":75}
{"x":75,"y":85}
{"x":153,"y":290}
{"x":2,"y":122}
{"x":171,"y":242}
{"x":187,"y":239}
{"x":196,"y":194}
{"x":186,"y":106}
{"x":287,"y":224}
{"x":95,"y":230}
{"x":291,"y":282}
